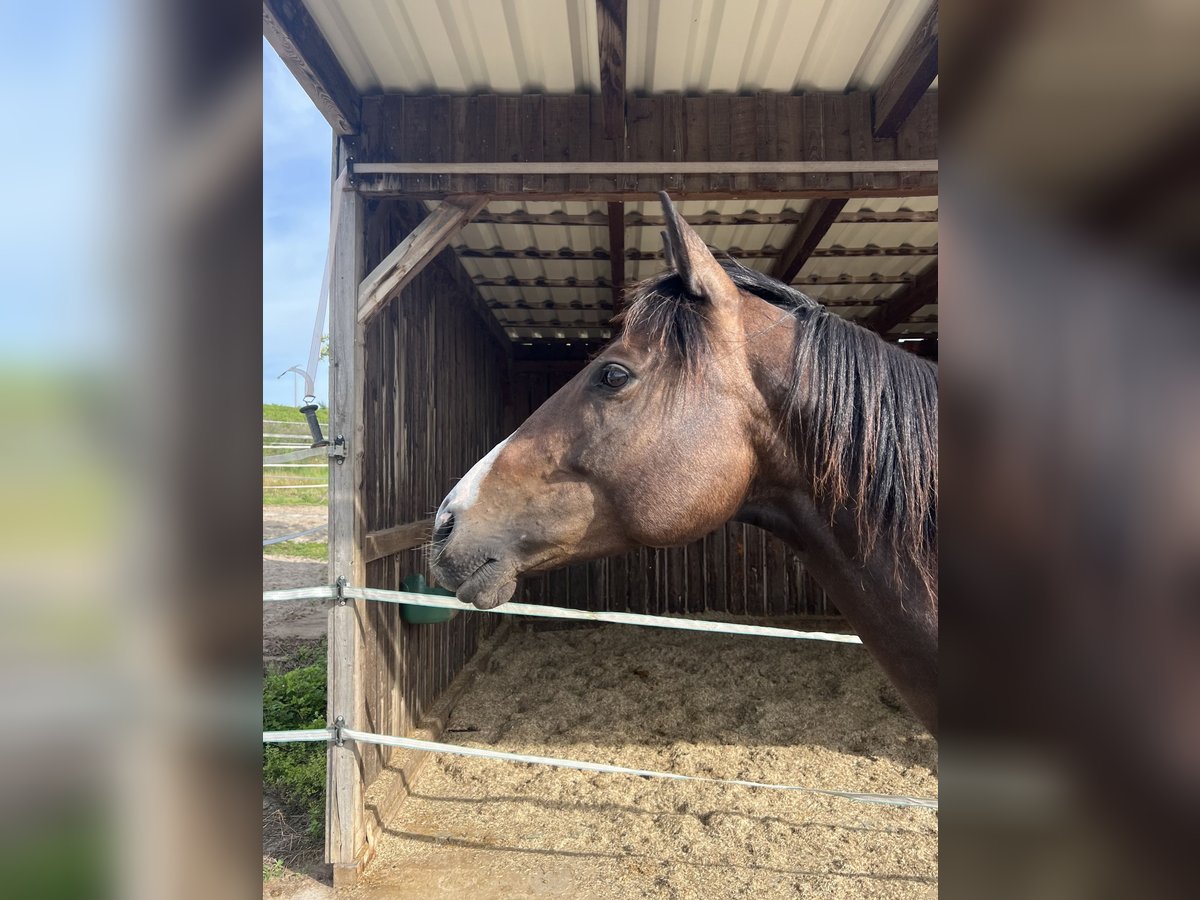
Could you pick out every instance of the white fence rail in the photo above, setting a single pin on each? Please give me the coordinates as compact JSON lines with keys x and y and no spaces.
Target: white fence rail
{"x":341,"y":733}
{"x":365,"y":737}
{"x":331,"y":592}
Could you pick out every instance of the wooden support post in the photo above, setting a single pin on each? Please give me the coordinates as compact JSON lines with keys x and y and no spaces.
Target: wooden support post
{"x":800,"y":246}
{"x":616,"y":252}
{"x":415,"y":252}
{"x":901,"y":307}
{"x":344,"y":819}
{"x":909,"y":78}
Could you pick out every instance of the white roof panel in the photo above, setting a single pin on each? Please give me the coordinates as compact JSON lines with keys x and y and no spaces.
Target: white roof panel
{"x":477,"y":46}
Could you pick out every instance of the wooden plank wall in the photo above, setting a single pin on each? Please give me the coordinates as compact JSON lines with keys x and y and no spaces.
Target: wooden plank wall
{"x":435,"y":402}
{"x":767,"y":126}
{"x":738,"y":569}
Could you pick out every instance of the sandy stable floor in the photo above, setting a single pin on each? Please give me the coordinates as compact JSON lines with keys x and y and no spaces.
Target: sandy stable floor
{"x":751,"y":708}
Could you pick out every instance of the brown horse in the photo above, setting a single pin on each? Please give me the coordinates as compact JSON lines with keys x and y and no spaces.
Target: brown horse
{"x":727,"y":395}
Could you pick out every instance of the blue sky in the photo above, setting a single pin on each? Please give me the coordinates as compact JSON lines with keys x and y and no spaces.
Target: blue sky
{"x":297,"y":142}
{"x":56,"y":73}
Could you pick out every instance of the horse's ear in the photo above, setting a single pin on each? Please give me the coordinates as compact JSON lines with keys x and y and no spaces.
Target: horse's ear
{"x":691,"y":259}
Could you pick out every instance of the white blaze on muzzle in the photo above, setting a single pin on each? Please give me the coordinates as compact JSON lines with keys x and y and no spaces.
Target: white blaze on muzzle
{"x":464,"y":494}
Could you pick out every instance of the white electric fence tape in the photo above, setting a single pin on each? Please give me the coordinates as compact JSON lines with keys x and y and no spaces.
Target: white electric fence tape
{"x":296,"y":454}
{"x":296,"y":737}
{"x":314,"y":351}
{"x":326,"y":592}
{"x":367,"y":737}
{"x":291,"y":537}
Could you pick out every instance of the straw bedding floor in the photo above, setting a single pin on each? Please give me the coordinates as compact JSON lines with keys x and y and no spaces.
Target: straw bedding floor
{"x":750,"y":708}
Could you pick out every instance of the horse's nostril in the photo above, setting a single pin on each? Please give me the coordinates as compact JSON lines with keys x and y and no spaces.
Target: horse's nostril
{"x":441,"y":534}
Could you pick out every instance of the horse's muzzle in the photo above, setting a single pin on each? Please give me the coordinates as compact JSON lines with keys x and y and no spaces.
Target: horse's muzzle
{"x":476,"y":576}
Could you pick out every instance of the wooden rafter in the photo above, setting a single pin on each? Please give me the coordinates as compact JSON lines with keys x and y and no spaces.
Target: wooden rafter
{"x":603,"y":284}
{"x":638,"y":220}
{"x":819,"y":216}
{"x":655,"y":167}
{"x":616,"y":251}
{"x":521,"y":318}
{"x":909,"y":78}
{"x":822,"y":252}
{"x":904,"y":304}
{"x":574,"y":329}
{"x":290,"y":29}
{"x":505,"y":309}
{"x":599,"y":253}
{"x":554,"y":331}
{"x":610,"y":31}
{"x":412,"y":254}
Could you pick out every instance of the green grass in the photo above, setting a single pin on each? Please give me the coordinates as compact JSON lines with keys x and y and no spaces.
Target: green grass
{"x":279,"y":413}
{"x":296,"y":430}
{"x":315,"y":550}
{"x":272,"y":868}
{"x":60,"y":852}
{"x":318,"y":496}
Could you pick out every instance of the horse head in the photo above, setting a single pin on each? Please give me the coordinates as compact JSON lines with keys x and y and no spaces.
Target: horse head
{"x":652,"y":443}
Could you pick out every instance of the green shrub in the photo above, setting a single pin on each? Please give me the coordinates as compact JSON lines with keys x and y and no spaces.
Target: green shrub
{"x":295,"y":773}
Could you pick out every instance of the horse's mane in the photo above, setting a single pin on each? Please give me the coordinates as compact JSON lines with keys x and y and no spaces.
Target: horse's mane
{"x":861,"y":414}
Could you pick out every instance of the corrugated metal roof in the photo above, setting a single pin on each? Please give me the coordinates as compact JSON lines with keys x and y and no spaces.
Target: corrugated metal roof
{"x":463,"y":46}
{"x":469,"y":46}
{"x":514,"y":46}
{"x":523,"y":306}
{"x":771,"y":45}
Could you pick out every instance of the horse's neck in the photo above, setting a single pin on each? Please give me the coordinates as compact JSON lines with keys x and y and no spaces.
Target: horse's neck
{"x":896,"y":618}
{"x":897,"y":625}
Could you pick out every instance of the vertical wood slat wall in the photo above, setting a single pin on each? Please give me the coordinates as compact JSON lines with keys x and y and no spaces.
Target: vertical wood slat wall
{"x":435,"y":403}
{"x":738,"y":569}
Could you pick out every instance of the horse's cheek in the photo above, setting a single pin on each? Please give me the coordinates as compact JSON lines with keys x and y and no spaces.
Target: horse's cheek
{"x":666,"y":511}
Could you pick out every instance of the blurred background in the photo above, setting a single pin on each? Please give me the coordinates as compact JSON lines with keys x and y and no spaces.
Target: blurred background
{"x":130,"y":472}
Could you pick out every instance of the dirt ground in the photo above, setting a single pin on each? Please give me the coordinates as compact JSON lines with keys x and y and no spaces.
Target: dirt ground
{"x":288,"y":625}
{"x":750,"y":708}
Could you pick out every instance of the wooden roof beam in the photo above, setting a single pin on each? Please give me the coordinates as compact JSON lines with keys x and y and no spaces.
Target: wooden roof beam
{"x":290,"y":29}
{"x":909,"y":78}
{"x":610,"y":30}
{"x":498,"y":306}
{"x":599,"y":253}
{"x":603,"y":284}
{"x":749,"y":217}
{"x":555,"y":146}
{"x":901,"y":307}
{"x":818,"y":218}
{"x":415,"y":252}
{"x":616,"y":252}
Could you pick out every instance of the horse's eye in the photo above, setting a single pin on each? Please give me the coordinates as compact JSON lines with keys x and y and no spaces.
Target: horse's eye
{"x":614,"y":376}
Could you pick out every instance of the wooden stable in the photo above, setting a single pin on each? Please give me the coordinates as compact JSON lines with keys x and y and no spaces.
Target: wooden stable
{"x":425,"y":378}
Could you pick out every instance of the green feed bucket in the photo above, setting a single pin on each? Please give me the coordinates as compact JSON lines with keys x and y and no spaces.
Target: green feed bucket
{"x":424,"y":615}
